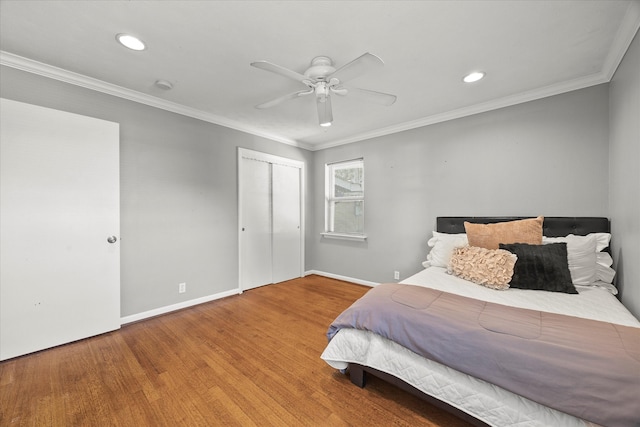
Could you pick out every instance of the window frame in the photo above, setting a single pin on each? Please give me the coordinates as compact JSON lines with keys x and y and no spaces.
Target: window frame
{"x":331,"y":199}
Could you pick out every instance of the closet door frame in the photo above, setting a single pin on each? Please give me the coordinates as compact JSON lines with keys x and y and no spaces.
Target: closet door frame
{"x":244,"y":153}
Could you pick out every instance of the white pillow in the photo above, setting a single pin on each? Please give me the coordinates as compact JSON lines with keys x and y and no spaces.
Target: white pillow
{"x":581,"y":254}
{"x":604,"y":272}
{"x":442,"y":245}
{"x":608,"y":286}
{"x":602,"y":240}
{"x":587,"y":263}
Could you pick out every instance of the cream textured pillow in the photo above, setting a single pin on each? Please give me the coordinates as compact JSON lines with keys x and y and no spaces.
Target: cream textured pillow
{"x":490,"y":236}
{"x":492,"y":268}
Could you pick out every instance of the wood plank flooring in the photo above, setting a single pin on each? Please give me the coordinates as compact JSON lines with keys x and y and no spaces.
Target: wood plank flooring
{"x":246,"y":360}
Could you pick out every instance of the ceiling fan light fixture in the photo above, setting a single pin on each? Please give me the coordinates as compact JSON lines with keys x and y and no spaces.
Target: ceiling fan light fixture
{"x":130,"y":41}
{"x":325,"y":115}
{"x":473,"y":77}
{"x":323,"y":79}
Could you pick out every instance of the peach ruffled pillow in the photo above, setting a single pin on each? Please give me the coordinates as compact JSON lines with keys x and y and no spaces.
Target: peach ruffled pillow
{"x":492,"y":268}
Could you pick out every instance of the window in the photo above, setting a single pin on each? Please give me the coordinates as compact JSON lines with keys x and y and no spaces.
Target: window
{"x":344,"y":201}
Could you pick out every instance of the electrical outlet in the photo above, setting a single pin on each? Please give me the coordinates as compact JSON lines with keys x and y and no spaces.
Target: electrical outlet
{"x":182,"y":288}
{"x":396,"y":275}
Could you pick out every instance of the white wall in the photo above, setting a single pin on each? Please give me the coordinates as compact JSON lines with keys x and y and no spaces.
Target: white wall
{"x":546,"y":157}
{"x":624,"y":177}
{"x":178,"y":191}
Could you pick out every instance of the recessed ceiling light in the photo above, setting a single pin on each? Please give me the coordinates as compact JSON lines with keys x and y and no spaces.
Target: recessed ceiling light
{"x":130,"y":41}
{"x":473,"y":77}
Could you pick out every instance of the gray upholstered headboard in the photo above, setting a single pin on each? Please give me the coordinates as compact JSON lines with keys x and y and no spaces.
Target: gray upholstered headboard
{"x":553,"y":226}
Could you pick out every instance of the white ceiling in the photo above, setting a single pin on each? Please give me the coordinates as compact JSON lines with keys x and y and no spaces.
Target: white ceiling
{"x":529,"y":49}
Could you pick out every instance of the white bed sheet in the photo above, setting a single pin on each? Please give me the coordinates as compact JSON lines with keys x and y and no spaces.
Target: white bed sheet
{"x":482,"y":400}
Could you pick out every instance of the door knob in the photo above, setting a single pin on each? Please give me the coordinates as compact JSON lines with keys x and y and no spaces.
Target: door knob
{"x":112,"y":239}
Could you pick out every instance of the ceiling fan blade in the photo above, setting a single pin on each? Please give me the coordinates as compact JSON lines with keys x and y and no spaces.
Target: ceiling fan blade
{"x":372,"y":96}
{"x":268,"y":66}
{"x":340,"y":91}
{"x":325,"y":115}
{"x":357,"y":67}
{"x":283,"y":98}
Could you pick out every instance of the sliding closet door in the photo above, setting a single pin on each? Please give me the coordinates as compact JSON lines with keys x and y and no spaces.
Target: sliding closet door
{"x":59,"y":221}
{"x":270,"y":219}
{"x":255,"y":257}
{"x":286,"y":223}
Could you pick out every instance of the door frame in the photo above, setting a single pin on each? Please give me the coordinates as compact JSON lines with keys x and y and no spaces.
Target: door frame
{"x":245,"y":153}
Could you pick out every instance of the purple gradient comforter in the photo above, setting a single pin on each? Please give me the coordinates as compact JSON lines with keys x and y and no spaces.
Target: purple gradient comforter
{"x":583,"y":367}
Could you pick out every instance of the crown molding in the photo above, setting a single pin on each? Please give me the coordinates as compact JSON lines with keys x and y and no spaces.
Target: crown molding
{"x":624,"y":37}
{"x":532,"y":95}
{"x":620,"y":45}
{"x":55,"y":73}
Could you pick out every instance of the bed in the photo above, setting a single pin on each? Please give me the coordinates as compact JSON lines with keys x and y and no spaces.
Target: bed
{"x":477,"y":399}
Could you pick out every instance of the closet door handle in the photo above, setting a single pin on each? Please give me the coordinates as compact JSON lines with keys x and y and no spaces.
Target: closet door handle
{"x":112,"y":239}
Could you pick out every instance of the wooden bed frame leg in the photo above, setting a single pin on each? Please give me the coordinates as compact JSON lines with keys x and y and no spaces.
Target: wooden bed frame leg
{"x":357,"y":375}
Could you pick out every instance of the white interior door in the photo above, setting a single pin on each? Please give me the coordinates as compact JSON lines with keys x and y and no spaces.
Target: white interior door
{"x":59,"y":203}
{"x":286,"y":241}
{"x":255,"y":224}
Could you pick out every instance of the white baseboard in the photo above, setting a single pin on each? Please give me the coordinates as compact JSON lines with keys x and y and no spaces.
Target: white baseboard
{"x":345,"y":278}
{"x":174,"y":307}
{"x":169,"y":308}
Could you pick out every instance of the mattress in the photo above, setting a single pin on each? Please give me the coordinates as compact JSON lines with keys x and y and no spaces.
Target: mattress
{"x":484,"y":401}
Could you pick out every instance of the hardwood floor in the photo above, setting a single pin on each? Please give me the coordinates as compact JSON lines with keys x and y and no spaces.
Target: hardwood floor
{"x":250,"y":359}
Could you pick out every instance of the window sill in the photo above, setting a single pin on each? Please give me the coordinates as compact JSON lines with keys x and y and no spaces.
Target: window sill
{"x":344,"y":236}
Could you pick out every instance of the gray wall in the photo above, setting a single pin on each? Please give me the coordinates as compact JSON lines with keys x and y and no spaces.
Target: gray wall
{"x":179,"y":185}
{"x":546,"y":157}
{"x":624,"y":178}
{"x":178,"y":179}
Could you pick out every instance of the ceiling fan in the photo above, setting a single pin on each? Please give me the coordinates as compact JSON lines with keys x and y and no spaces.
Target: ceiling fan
{"x":323,"y":79}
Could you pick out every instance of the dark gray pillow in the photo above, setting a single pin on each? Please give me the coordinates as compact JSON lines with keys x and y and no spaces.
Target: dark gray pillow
{"x":542,"y":267}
